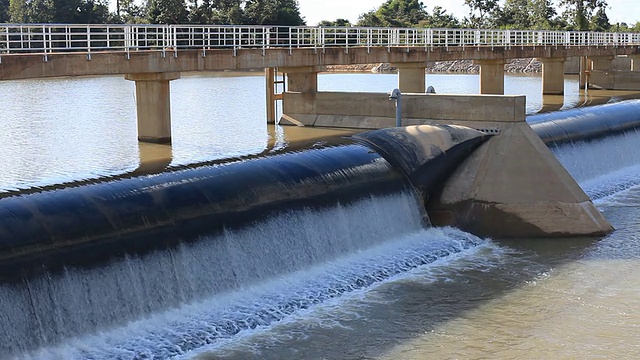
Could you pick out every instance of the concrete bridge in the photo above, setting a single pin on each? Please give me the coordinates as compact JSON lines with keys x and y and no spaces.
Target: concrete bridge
{"x":153,"y":55}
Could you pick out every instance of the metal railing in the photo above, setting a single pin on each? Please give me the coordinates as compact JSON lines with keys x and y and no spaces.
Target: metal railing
{"x":51,"y":38}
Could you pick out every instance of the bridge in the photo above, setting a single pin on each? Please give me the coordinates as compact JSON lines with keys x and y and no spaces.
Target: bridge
{"x":153,"y":55}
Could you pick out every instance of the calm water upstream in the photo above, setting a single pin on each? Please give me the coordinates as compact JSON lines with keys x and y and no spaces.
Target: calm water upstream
{"x":436,"y":293}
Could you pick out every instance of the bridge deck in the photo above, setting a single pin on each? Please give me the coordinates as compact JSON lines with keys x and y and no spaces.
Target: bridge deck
{"x":34,"y":51}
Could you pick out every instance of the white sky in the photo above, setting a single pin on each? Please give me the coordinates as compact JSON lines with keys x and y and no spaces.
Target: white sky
{"x":316,"y":10}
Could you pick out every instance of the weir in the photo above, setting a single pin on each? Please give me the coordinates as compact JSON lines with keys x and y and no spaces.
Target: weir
{"x":161,"y":241}
{"x":173,"y":256}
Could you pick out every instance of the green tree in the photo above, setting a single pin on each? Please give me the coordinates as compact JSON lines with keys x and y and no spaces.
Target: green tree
{"x":228,"y":12}
{"x":440,"y":19}
{"x":579,"y":12}
{"x":600,"y":21}
{"x":167,"y":11}
{"x":480,"y":10}
{"x":527,"y":14}
{"x":395,"y":13}
{"x":337,"y":22}
{"x":370,"y":18}
{"x":4,"y":11}
{"x":17,"y":11}
{"x":273,"y":12}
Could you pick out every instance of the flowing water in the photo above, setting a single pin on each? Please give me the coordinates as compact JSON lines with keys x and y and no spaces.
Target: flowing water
{"x":356,"y":281}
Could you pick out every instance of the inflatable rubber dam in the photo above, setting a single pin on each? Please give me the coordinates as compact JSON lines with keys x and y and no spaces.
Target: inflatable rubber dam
{"x":134,"y":252}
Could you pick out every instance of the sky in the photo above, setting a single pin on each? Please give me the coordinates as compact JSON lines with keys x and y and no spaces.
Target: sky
{"x":316,"y":10}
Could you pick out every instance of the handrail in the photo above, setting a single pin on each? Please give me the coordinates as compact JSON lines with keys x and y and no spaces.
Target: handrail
{"x":50,"y":38}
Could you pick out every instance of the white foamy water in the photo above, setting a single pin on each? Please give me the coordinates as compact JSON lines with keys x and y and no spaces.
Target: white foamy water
{"x":171,"y":302}
{"x":604,"y":166}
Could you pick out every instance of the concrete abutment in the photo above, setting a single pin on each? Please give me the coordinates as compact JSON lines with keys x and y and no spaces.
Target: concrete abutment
{"x":153,"y":105}
{"x":511,"y":187}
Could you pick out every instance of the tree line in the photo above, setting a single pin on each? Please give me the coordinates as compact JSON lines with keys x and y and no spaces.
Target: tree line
{"x":238,"y":12}
{"x":582,"y":15}
{"x":585,"y":15}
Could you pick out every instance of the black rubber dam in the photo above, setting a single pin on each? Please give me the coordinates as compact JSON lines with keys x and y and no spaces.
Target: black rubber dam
{"x":588,"y":123}
{"x":89,"y":257}
{"x":85,"y":225}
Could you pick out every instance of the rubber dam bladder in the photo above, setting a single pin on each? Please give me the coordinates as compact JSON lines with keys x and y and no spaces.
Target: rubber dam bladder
{"x":83,"y":259}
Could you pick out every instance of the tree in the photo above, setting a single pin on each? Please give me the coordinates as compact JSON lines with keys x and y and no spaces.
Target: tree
{"x":395,"y":13}
{"x":167,"y":11}
{"x":370,"y":18}
{"x":4,"y":11}
{"x":440,"y":19}
{"x":600,"y":21}
{"x":527,"y":14}
{"x":578,"y":12}
{"x":337,"y":22}
{"x":479,"y":9}
{"x":129,"y":13}
{"x":402,"y":13}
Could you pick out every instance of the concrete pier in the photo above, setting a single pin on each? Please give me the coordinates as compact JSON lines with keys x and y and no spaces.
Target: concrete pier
{"x":635,"y":62}
{"x":552,"y":76}
{"x":491,"y":76}
{"x":411,"y":77}
{"x":153,"y":105}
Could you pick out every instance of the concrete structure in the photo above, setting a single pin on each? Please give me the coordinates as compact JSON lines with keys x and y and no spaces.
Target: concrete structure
{"x":513,"y":186}
{"x":39,"y":51}
{"x":374,"y":110}
{"x":491,"y":76}
{"x":411,"y":77}
{"x":153,"y":103}
{"x":552,"y":76}
{"x":605,"y":73}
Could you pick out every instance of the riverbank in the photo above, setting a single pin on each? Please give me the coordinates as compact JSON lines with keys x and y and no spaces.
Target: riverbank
{"x":457,"y":66}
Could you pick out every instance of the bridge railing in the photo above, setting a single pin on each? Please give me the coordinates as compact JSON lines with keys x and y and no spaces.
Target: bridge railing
{"x":50,"y":38}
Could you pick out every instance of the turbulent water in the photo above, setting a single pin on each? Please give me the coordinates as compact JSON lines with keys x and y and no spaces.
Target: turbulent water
{"x":354,"y":281}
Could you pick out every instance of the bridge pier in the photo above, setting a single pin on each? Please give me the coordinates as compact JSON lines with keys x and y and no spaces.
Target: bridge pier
{"x":153,"y":105}
{"x":635,"y":62}
{"x":491,"y":76}
{"x":411,"y":77}
{"x":552,"y":76}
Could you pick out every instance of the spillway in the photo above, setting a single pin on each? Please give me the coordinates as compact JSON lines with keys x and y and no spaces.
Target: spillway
{"x":163,"y":264}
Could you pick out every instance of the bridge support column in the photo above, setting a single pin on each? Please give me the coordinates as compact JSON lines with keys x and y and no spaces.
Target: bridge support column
{"x":153,"y":105}
{"x":584,"y":71}
{"x":635,"y":62}
{"x":411,"y":77}
{"x":491,"y":76}
{"x":552,"y":76}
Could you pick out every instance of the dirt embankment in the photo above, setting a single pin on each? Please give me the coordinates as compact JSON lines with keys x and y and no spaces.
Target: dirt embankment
{"x":458,"y":66}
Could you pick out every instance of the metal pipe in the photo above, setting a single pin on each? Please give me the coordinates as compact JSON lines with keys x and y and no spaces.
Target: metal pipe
{"x":397,"y":96}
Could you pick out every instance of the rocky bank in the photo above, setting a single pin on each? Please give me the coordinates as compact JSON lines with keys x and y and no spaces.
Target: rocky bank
{"x":457,"y":66}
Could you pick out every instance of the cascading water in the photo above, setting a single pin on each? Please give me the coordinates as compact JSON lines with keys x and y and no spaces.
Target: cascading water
{"x":603,"y":166}
{"x":170,"y":302}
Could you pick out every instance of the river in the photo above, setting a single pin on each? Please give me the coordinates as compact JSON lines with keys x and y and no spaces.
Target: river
{"x":478,"y":299}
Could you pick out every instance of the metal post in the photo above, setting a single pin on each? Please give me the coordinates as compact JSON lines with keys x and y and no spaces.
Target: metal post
{"x":397,"y":96}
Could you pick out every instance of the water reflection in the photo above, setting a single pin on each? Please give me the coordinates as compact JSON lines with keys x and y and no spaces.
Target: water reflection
{"x":69,"y":129}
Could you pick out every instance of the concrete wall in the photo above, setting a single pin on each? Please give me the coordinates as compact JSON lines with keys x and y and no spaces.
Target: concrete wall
{"x":375,"y":110}
{"x":615,"y":80}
